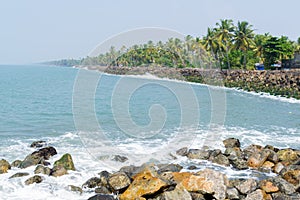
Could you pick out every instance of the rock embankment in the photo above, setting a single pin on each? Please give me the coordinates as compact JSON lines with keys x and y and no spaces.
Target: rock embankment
{"x":276,"y":82}
{"x":172,"y":181}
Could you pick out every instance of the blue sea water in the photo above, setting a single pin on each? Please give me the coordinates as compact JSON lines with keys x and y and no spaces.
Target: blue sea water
{"x":37,"y":103}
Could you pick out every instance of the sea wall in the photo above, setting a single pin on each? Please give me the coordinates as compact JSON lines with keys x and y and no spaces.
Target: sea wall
{"x":276,"y":82}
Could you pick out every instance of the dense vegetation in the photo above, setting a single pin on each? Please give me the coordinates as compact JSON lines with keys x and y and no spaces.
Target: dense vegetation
{"x":225,"y":46}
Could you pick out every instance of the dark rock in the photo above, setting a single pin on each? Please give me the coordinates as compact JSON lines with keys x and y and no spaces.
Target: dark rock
{"x":292,"y":174}
{"x":102,"y":190}
{"x":66,"y":161}
{"x":40,"y":169}
{"x":19,"y":174}
{"x":4,"y":166}
{"x":92,"y":182}
{"x":15,"y":163}
{"x":231,"y":143}
{"x":182,"y":152}
{"x":75,"y":189}
{"x":197,"y":196}
{"x":273,"y":156}
{"x":119,"y":158}
{"x":104,"y":175}
{"x":238,"y":162}
{"x":34,"y":179}
{"x":169,"y":168}
{"x":271,"y":148}
{"x":192,"y":167}
{"x":214,"y":153}
{"x":58,"y":171}
{"x":283,"y":185}
{"x":246,"y":186}
{"x":221,"y":160}
{"x":131,"y":170}
{"x":119,"y":181}
{"x":102,"y":197}
{"x":38,"y":144}
{"x":45,"y":152}
{"x":198,"y":154}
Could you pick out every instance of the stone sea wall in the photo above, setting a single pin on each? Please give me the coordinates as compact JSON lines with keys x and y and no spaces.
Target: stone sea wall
{"x":276,"y":82}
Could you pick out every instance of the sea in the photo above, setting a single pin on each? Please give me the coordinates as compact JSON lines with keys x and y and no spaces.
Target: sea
{"x":98,"y":117}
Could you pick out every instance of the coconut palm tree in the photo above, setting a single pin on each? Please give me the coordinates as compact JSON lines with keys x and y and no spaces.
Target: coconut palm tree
{"x":243,"y":39}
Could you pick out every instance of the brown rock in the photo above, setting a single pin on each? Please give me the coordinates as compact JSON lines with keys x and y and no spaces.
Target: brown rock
{"x":4,"y":166}
{"x":19,"y":174}
{"x":287,"y":155}
{"x":40,"y":169}
{"x":257,"y":159}
{"x":34,"y":179}
{"x":258,"y":195}
{"x":16,"y":163}
{"x":58,"y":171}
{"x":119,"y":181}
{"x":144,"y":183}
{"x":268,"y":186}
{"x":75,"y":189}
{"x":292,"y":176}
{"x":231,"y":143}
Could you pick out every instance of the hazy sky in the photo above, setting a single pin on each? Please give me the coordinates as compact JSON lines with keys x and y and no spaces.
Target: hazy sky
{"x":35,"y":30}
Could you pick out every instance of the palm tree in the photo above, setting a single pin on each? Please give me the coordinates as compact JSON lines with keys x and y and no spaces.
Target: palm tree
{"x":259,"y":41}
{"x":210,"y":42}
{"x":243,"y":39}
{"x":224,"y":35}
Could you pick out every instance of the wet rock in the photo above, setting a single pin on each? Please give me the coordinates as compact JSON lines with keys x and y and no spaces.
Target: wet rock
{"x":131,"y":170}
{"x":232,"y":193}
{"x":198,"y":154}
{"x":268,"y":186}
{"x":214,"y":153}
{"x":236,"y":152}
{"x":169,"y":168}
{"x":197,"y":196}
{"x":257,"y":159}
{"x":287,"y":156}
{"x":75,"y":189}
{"x":92,"y":183}
{"x":271,"y":148}
{"x":4,"y":166}
{"x":38,"y":144}
{"x":144,"y":183}
{"x":66,"y":161}
{"x":102,"y":190}
{"x":104,"y":175}
{"x":192,"y":167}
{"x":278,"y":167}
{"x":40,"y":169}
{"x":182,"y":152}
{"x":15,"y":163}
{"x":283,"y":185}
{"x":38,"y":157}
{"x":119,"y":181}
{"x":221,"y":160}
{"x":258,"y":195}
{"x":253,"y":148}
{"x":273,"y":156}
{"x":119,"y":158}
{"x":178,"y":193}
{"x":102,"y":197}
{"x":231,"y":143}
{"x":246,"y":186}
{"x":292,"y":174}
{"x":34,"y":179}
{"x":58,"y":171}
{"x":238,"y":162}
{"x":19,"y":174}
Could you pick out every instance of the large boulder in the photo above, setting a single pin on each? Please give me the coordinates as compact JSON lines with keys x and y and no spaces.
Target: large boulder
{"x":66,"y":161}
{"x":287,"y":156}
{"x":231,"y":143}
{"x":268,"y":186}
{"x":119,"y":181}
{"x":4,"y":166}
{"x":258,"y":158}
{"x":144,"y":184}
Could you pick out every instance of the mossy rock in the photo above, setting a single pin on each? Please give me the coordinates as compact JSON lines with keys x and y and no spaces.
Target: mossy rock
{"x":66,"y":161}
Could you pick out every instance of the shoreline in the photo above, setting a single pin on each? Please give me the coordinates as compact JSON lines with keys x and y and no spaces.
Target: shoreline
{"x":280,"y":83}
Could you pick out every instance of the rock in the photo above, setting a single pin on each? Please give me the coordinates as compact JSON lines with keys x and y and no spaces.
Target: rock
{"x":178,"y":193}
{"x":131,"y":170}
{"x":257,"y":159}
{"x":34,"y":179}
{"x":246,"y":186}
{"x":38,"y":157}
{"x":253,"y":148}
{"x":16,"y":163}
{"x":58,"y":171}
{"x":278,"y":167}
{"x":231,"y":143}
{"x":102,"y":190}
{"x":40,"y":169}
{"x":232,"y":193}
{"x":102,"y":197}
{"x":283,"y":185}
{"x":104,"y":175}
{"x":221,"y":160}
{"x":182,"y":152}
{"x":192,"y":167}
{"x":271,"y":148}
{"x":119,"y":158}
{"x":38,"y":144}
{"x":4,"y":166}
{"x":119,"y":181}
{"x":268,"y":165}
{"x":75,"y":189}
{"x":258,"y":195}
{"x":236,"y":152}
{"x":198,"y":196}
{"x":66,"y":161}
{"x":214,"y":153}
{"x":292,"y":174}
{"x":273,"y":156}
{"x":287,"y":155}
{"x":169,"y":168}
{"x":144,"y":183}
{"x":92,"y":183}
{"x":19,"y":174}
{"x":198,"y":154}
{"x":238,"y":162}
{"x":268,"y":186}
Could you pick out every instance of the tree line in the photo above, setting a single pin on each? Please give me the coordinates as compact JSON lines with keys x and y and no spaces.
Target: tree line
{"x":226,"y":46}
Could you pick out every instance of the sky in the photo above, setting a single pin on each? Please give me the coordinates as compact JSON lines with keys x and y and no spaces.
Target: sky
{"x":35,"y":31}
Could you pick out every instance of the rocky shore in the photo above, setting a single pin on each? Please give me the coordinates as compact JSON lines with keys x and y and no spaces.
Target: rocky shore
{"x":171,"y":181}
{"x":276,"y":82}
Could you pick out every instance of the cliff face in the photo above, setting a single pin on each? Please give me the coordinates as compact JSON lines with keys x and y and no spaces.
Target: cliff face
{"x":276,"y":82}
